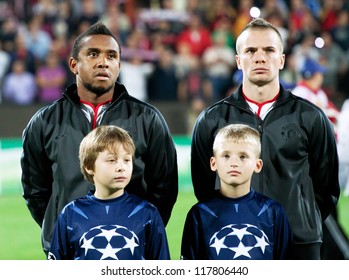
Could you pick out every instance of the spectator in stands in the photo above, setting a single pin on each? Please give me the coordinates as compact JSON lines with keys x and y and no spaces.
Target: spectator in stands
{"x":242,"y":17}
{"x":310,"y":88}
{"x":134,"y":75}
{"x":4,"y":66}
{"x":290,"y":74}
{"x":340,"y":32}
{"x":163,"y":82}
{"x":305,"y":49}
{"x":21,"y":52}
{"x":222,"y":27}
{"x":50,"y":77}
{"x":38,"y":41}
{"x":8,"y":31}
{"x":219,"y":64}
{"x":116,"y":20}
{"x":19,"y":85}
{"x":197,"y":35}
{"x":332,"y":56}
{"x":86,"y":11}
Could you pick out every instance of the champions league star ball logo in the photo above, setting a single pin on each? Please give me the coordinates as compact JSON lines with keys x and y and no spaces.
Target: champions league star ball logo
{"x":109,"y":242}
{"x":239,"y":240}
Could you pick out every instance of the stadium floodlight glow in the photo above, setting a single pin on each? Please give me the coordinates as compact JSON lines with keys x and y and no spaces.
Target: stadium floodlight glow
{"x":255,"y":12}
{"x":319,"y":42}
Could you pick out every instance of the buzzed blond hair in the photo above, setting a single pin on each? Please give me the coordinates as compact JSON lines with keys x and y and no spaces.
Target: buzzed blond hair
{"x":239,"y":133}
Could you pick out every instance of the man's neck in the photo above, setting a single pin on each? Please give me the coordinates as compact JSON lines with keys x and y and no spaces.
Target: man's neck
{"x":260,"y":94}
{"x":94,"y":98}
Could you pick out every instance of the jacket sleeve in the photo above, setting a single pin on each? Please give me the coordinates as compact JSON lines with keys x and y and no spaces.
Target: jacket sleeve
{"x":203,"y":178}
{"x":323,"y":159}
{"x":36,"y":170}
{"x":161,"y":170}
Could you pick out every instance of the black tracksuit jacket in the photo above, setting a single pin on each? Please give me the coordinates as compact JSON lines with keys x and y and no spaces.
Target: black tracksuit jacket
{"x":51,"y":175}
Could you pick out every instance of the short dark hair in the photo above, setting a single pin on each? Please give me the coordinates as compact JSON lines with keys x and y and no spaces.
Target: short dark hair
{"x":96,"y":29}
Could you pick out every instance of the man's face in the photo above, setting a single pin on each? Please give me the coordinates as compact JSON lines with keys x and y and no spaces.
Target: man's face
{"x":259,"y":56}
{"x":98,"y":64}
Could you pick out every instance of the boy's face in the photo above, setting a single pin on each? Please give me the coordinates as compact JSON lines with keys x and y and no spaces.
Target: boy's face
{"x":235,"y":163}
{"x":112,"y":172}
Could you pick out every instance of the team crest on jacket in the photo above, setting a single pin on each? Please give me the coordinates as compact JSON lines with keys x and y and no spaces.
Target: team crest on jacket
{"x":109,"y":242}
{"x":290,"y":132}
{"x":239,"y":240}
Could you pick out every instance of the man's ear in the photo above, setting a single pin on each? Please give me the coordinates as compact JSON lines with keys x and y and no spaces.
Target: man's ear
{"x":237,"y":59}
{"x":73,"y":66}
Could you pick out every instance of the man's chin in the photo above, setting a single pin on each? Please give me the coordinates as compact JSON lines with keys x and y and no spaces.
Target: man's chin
{"x":99,"y":91}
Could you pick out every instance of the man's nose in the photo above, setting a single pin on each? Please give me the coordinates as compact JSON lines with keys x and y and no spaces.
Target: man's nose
{"x":103,"y":62}
{"x":259,"y":57}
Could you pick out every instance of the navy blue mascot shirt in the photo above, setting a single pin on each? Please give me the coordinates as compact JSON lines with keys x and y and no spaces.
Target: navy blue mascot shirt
{"x":123,"y":228}
{"x":250,"y":227}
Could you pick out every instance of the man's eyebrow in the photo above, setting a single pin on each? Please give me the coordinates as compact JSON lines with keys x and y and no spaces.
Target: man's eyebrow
{"x":98,"y":50}
{"x":93,"y":50}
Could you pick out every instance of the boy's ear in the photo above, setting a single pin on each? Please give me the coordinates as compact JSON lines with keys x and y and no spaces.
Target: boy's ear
{"x":89,"y":171}
{"x":213,"y":164}
{"x":259,"y":165}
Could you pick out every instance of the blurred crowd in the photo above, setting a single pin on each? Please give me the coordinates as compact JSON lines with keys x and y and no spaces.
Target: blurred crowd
{"x":181,"y":50}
